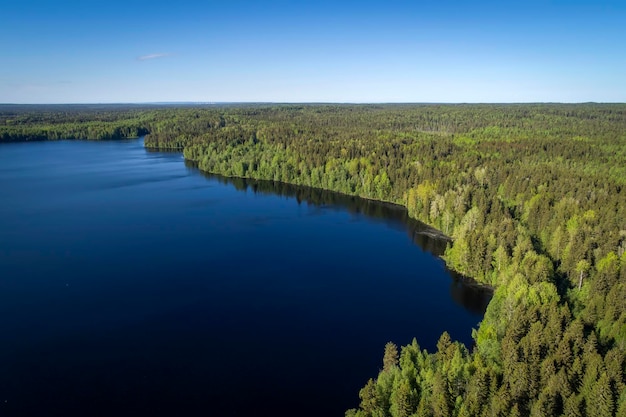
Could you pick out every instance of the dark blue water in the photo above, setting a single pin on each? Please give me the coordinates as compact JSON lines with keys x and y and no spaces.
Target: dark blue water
{"x":132,"y":284}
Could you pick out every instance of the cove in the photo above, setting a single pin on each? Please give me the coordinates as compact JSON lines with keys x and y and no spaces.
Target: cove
{"x":132,"y":284}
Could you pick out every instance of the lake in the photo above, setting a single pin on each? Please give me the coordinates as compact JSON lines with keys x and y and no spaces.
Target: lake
{"x":133,"y":284}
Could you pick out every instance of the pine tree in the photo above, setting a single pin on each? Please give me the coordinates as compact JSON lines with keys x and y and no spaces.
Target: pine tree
{"x":390,"y":359}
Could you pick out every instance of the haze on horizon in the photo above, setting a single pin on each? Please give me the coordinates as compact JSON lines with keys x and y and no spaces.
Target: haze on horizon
{"x":296,"y":51}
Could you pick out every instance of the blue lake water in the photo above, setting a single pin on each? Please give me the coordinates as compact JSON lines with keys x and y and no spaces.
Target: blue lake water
{"x":133,"y":284}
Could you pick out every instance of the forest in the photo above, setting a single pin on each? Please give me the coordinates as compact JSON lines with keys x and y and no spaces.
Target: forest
{"x":531,"y":196}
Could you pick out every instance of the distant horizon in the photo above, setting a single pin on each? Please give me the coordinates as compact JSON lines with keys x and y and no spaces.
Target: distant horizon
{"x":209,"y":103}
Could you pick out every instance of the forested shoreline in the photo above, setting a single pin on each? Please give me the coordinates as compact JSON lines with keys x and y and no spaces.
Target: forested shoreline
{"x":531,"y":194}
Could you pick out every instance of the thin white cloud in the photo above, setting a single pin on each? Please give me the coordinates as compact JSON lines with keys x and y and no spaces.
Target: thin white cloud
{"x":151,"y":56}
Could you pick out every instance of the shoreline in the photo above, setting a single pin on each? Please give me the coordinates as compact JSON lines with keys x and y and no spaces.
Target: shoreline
{"x":426,"y":229}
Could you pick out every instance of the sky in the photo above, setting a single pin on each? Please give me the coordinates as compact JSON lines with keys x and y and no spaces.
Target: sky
{"x":138,"y":51}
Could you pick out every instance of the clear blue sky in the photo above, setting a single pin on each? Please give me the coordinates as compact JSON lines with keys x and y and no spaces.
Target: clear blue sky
{"x":296,"y":51}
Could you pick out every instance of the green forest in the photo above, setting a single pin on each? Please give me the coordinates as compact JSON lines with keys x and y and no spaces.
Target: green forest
{"x":531,"y":195}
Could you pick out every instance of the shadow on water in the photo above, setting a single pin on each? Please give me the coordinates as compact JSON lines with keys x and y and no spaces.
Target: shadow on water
{"x":464,"y":291}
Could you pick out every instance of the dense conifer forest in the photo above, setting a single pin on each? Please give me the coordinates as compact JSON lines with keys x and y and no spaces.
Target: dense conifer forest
{"x":531,"y":195}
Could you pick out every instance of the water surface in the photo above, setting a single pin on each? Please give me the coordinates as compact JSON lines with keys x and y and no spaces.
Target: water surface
{"x":132,"y":284}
